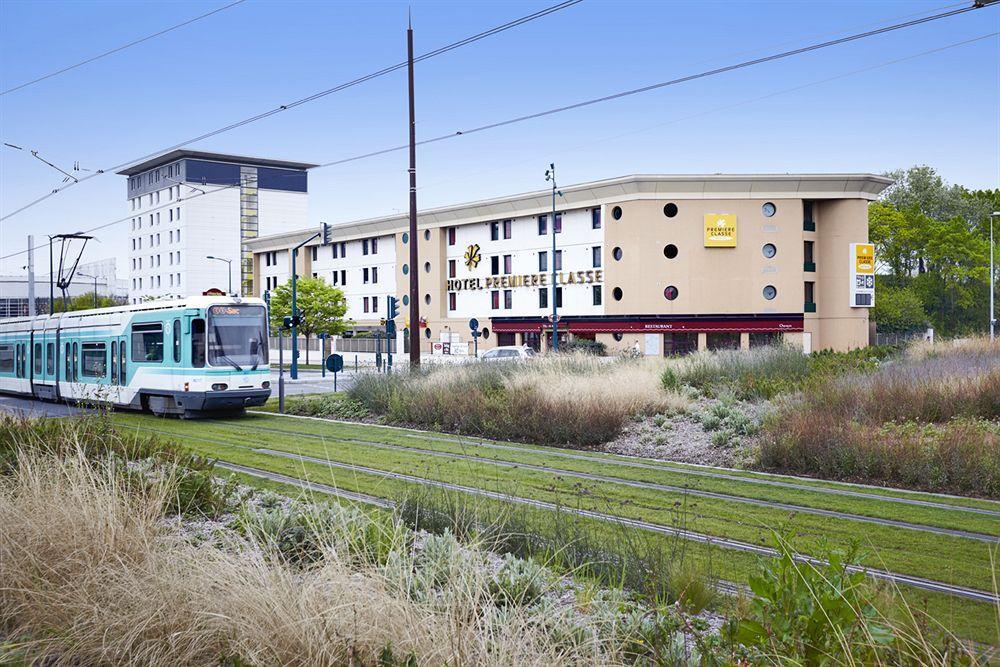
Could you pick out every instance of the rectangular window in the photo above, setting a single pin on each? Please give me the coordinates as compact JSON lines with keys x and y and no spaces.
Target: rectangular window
{"x":50,"y":358}
{"x":364,"y":246}
{"x":314,"y":251}
{"x":451,"y":236}
{"x":495,"y":265}
{"x":495,"y":299}
{"x":68,"y":373}
{"x":176,"y":340}
{"x":147,"y":342}
{"x":559,"y":260}
{"x":508,"y":264}
{"x":343,"y":276}
{"x":336,"y":277}
{"x":452,"y":268}
{"x":374,"y":304}
{"x":375,"y":246}
{"x":543,"y":297}
{"x":807,"y":211}
{"x":364,"y":274}
{"x":6,"y":358}
{"x":374,"y":274}
{"x":810,"y":292}
{"x":807,"y":252}
{"x":507,"y":228}
{"x":178,"y":212}
{"x":494,"y":231}
{"x":595,"y":218}
{"x":365,"y":302}
{"x":508,"y":299}
{"x":452,"y":301}
{"x":559,"y":303}
{"x":198,"y":343}
{"x":558,"y":223}
{"x":170,"y":215}
{"x":114,"y":365}
{"x":595,"y":254}
{"x":343,"y":249}
{"x":94,"y":357}
{"x":543,"y":261}
{"x":333,"y":250}
{"x":542,"y":225}
{"x":596,"y":293}
{"x":36,"y":362}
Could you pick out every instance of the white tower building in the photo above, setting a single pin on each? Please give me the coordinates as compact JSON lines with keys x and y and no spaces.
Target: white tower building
{"x":188,"y":206}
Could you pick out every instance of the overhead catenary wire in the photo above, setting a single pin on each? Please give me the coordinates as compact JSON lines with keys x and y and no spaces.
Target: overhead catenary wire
{"x":310,"y":98}
{"x":663,"y":84}
{"x":121,"y":48}
{"x":755,"y":99}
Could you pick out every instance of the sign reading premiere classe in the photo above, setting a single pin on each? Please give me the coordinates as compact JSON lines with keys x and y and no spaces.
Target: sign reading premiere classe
{"x":720,"y":230}
{"x":862,"y":275}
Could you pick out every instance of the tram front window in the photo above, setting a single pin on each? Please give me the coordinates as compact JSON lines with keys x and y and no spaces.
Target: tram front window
{"x":237,"y":336}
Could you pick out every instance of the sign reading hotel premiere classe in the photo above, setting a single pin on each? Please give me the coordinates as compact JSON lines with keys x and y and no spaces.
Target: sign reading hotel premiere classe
{"x":510,"y":281}
{"x":720,"y":230}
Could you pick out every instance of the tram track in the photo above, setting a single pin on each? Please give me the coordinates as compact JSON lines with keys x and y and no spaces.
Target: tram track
{"x":936,"y":530}
{"x":727,"y":543}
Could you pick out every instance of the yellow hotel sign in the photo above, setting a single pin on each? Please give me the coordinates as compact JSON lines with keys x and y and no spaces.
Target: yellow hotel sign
{"x":720,"y":230}
{"x":864,"y":258}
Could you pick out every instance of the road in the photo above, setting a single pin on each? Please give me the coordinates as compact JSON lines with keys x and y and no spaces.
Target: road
{"x":309,"y":382}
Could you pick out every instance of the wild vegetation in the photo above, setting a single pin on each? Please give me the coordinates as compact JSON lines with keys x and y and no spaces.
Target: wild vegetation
{"x":575,"y":400}
{"x":930,"y":419}
{"x":99,"y":569}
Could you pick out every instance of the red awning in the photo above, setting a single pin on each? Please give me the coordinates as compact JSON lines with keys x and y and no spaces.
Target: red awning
{"x":749,"y":324}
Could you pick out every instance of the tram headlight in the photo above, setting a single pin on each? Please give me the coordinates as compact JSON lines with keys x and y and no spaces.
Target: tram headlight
{"x":266,"y":384}
{"x":220,"y":386}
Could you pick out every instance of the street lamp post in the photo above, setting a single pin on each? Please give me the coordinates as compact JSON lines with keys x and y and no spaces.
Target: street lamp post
{"x":229,"y":270}
{"x":550,"y":175}
{"x":993,"y":317}
{"x":87,"y":275}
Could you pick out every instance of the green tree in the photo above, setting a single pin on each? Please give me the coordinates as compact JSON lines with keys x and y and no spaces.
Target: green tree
{"x":897,"y":309}
{"x":84,"y":302}
{"x":323,"y":307}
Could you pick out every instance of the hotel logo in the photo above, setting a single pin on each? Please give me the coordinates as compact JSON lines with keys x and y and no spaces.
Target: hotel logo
{"x":472,"y":256}
{"x":720,"y":230}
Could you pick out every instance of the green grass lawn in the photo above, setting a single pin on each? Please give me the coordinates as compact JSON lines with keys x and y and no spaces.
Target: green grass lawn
{"x":943,"y":558}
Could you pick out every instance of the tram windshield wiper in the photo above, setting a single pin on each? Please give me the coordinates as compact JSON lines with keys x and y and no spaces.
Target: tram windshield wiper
{"x":229,"y":361}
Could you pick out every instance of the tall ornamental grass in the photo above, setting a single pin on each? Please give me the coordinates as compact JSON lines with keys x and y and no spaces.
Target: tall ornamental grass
{"x":575,"y":400}
{"x":929,"y":420}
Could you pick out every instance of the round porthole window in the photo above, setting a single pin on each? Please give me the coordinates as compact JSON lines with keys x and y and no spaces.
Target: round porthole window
{"x":406,"y":299}
{"x":617,"y":293}
{"x":670,"y":210}
{"x":770,"y":292}
{"x":617,"y":254}
{"x":486,"y":332}
{"x":768,"y":209}
{"x":427,"y":235}
{"x":616,"y":213}
{"x":427,"y":299}
{"x":769,"y":250}
{"x":427,"y":267}
{"x":406,"y":237}
{"x":427,"y":332}
{"x":406,"y":269}
{"x":670,"y":251}
{"x":670,"y":293}
{"x":618,"y":335}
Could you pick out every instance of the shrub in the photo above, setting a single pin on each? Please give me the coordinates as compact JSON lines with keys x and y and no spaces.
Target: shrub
{"x":574,"y":400}
{"x":722,"y":438}
{"x":585,"y":346}
{"x":710,"y":421}
{"x":518,"y":581}
{"x":330,"y":406}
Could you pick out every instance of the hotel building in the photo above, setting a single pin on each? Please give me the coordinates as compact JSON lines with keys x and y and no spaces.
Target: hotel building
{"x":665,"y":264}
{"x":189,"y":205}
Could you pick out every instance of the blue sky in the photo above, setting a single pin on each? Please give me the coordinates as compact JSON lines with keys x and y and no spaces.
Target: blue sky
{"x":811,"y":113}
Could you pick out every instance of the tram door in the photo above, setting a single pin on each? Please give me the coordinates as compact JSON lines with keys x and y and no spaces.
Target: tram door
{"x":44,"y":363}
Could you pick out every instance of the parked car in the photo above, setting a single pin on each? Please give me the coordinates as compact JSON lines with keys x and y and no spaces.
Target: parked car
{"x":509,"y":353}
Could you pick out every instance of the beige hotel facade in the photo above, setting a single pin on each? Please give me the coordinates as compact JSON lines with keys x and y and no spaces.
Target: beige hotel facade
{"x":663,"y":263}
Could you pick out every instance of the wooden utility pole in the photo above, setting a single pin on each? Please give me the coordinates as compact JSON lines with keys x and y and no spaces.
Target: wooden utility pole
{"x":414,"y":257}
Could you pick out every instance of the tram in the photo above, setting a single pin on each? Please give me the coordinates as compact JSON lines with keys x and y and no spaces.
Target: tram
{"x":191,"y":357}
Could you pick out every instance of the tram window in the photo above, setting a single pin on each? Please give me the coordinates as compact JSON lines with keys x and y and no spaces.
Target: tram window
{"x":36,"y":361}
{"x":69,"y":362}
{"x":121,"y":363}
{"x":95,"y":360}
{"x":6,"y":358}
{"x":76,"y":362}
{"x":147,"y":342}
{"x":198,"y":343}
{"x":177,"y":341}
{"x":114,"y":364}
{"x":50,"y":358}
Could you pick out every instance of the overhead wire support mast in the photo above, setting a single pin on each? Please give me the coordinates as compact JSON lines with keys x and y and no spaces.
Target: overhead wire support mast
{"x":414,"y":256}
{"x":315,"y":96}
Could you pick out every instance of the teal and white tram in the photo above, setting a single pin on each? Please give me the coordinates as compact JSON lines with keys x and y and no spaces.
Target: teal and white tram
{"x":191,"y":357}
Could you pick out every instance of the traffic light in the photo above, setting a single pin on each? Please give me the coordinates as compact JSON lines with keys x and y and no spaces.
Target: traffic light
{"x":326,"y":233}
{"x":393,"y":308}
{"x":286,"y":323}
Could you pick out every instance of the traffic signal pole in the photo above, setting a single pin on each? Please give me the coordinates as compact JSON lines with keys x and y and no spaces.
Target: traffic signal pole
{"x":324,"y":234}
